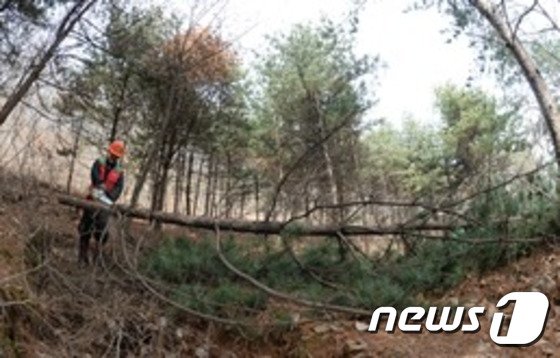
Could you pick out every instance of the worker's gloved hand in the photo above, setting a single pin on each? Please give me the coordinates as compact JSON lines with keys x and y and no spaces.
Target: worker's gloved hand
{"x":96,"y":193}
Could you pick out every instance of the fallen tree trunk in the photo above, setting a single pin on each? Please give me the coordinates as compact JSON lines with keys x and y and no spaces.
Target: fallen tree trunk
{"x":255,"y":227}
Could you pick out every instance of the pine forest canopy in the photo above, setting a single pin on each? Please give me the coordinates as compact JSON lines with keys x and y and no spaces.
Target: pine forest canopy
{"x":286,"y":138}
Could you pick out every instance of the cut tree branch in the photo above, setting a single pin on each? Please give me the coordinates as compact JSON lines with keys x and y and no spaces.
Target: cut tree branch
{"x":254,"y":227}
{"x":280,"y":295}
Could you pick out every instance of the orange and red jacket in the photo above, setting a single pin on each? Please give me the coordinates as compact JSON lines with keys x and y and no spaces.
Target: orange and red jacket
{"x":109,"y":175}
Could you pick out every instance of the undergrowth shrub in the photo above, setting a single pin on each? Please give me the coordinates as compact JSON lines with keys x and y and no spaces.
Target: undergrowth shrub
{"x":515,"y":211}
{"x":184,"y":261}
{"x":203,"y":283}
{"x":227,"y":299}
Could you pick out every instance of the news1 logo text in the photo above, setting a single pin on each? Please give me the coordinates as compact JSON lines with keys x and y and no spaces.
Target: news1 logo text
{"x":526,"y":326}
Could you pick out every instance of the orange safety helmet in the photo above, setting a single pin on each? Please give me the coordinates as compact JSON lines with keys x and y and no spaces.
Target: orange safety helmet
{"x":117,"y":148}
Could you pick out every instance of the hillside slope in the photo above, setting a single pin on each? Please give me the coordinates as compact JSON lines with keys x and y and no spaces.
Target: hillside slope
{"x":57,"y":309}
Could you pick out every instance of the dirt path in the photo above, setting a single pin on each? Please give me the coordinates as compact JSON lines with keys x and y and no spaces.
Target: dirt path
{"x":540,"y":272}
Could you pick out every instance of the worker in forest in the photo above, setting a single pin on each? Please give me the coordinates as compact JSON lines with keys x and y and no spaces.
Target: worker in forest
{"x":107,"y":182}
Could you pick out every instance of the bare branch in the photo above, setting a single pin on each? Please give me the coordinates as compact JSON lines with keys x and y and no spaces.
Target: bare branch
{"x":300,"y":159}
{"x":64,"y":28}
{"x":255,"y":227}
{"x":280,"y":295}
{"x":546,"y":14}
{"x":522,"y":16}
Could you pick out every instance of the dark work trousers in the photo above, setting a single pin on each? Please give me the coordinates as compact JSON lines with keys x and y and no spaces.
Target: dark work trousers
{"x":92,"y":222}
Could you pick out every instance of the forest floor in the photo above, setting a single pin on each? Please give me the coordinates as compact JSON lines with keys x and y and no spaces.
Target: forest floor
{"x":59,"y":310}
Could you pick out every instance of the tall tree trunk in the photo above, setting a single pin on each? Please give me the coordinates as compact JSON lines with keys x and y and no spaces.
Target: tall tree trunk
{"x":271,"y":227}
{"x":160,"y":185}
{"x":74,"y":155}
{"x":119,"y":108}
{"x":329,"y":170}
{"x":208,"y":185}
{"x":189,"y":183}
{"x":166,"y":167}
{"x":227,"y":184}
{"x":316,"y":113}
{"x":64,"y":28}
{"x":179,"y":176}
{"x":141,"y":177}
{"x":155,"y":191}
{"x":197,"y":185}
{"x":215,"y":188}
{"x":307,"y":200}
{"x":542,"y":92}
{"x":157,"y":181}
{"x":257,"y":196}
{"x":336,"y":215}
{"x":153,"y":150}
{"x":242,"y":202}
{"x":163,"y":190}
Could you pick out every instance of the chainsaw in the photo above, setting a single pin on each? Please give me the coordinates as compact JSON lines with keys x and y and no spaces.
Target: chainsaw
{"x":99,"y":195}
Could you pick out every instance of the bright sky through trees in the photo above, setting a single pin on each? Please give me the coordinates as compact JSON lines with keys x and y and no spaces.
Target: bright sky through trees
{"x":411,"y":45}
